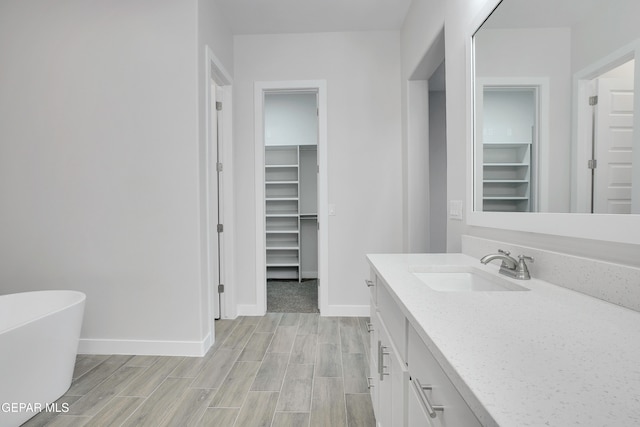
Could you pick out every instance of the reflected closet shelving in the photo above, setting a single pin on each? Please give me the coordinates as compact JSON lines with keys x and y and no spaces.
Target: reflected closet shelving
{"x":506,"y":176}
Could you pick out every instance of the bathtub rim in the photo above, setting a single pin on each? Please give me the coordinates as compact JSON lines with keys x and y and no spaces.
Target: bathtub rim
{"x":81,"y":299}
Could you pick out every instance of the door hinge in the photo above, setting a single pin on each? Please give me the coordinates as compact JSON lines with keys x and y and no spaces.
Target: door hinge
{"x":593,"y":100}
{"x":218,"y":106}
{"x":218,"y":167}
{"x":592,"y":164}
{"x":220,"y":288}
{"x":220,"y":228}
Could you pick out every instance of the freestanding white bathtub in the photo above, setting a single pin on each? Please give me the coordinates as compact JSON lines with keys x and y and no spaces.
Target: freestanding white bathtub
{"x":39,"y":333}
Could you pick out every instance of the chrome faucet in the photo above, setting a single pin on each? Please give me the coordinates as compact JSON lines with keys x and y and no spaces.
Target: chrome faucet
{"x":510,"y":267}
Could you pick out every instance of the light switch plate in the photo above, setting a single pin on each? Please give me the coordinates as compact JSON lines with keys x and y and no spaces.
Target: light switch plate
{"x":455,"y":209}
{"x":332,"y":210}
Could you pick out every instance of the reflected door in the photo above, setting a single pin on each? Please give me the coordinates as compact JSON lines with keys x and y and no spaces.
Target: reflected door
{"x":613,"y":146}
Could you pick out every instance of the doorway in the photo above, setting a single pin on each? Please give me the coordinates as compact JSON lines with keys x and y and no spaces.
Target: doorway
{"x":217,"y":193}
{"x":437,"y":161}
{"x":425,"y":154}
{"x":291,"y":256}
{"x":291,"y":195}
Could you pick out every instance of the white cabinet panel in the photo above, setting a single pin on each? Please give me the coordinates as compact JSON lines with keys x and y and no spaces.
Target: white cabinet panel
{"x":393,"y":319}
{"x":393,"y":382}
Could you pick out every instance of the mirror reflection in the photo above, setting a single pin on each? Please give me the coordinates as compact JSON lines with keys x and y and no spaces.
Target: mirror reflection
{"x":554,"y":107}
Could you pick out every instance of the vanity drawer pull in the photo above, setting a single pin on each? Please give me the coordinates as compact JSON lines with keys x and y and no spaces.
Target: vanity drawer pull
{"x":369,"y":385}
{"x":370,"y":327}
{"x":369,"y":283}
{"x":428,"y":407}
{"x":382,"y":352}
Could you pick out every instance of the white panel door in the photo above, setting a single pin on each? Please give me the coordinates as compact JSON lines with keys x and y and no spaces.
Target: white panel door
{"x":614,"y":141}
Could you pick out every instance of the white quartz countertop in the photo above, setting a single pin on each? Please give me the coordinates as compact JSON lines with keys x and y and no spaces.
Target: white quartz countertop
{"x":544,"y":357}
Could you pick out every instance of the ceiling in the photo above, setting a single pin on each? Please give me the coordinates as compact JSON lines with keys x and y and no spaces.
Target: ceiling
{"x":542,"y":13}
{"x":312,"y":16}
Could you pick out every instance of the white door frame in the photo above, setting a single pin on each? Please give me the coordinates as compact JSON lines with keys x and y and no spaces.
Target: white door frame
{"x":260,"y":88}
{"x":216,"y":73}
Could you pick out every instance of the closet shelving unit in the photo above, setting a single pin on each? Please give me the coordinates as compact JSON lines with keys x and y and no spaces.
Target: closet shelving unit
{"x":282,"y":216}
{"x":506,"y":176}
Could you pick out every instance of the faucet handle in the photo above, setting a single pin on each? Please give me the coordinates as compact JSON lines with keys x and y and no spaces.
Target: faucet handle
{"x":507,"y":253}
{"x":525,"y":257}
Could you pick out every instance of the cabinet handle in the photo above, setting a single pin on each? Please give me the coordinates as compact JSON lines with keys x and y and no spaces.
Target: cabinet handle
{"x":369,"y":385}
{"x":369,"y":283}
{"x":428,"y":407}
{"x":383,"y":352}
{"x":380,"y":358}
{"x":369,"y":327}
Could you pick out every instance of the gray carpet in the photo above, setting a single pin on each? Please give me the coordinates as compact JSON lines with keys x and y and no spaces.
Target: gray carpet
{"x":292,"y":296}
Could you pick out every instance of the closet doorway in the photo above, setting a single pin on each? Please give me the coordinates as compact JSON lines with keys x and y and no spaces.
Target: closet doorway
{"x":290,"y":133}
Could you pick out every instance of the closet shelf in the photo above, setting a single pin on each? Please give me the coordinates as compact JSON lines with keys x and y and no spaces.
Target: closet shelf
{"x":283,"y":182}
{"x":506,"y":198}
{"x":281,"y":166}
{"x":507,"y":144}
{"x":278,"y":199}
{"x":506,"y":164}
{"x":505,"y":181}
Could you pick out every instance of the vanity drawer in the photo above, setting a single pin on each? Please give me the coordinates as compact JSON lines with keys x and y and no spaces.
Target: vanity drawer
{"x":425,"y":372}
{"x":393,"y":320}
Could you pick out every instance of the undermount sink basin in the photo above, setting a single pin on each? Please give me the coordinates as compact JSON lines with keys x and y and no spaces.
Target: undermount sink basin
{"x":459,"y":278}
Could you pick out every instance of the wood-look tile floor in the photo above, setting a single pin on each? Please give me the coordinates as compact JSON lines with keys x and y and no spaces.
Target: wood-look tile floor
{"x":282,"y":369}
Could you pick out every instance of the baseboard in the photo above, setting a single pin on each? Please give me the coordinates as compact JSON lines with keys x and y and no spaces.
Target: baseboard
{"x":346,"y":311}
{"x":249,"y":310}
{"x":145,"y":348}
{"x":309,"y":274}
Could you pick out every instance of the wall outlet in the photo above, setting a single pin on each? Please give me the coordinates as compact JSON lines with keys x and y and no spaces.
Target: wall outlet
{"x":455,"y":209}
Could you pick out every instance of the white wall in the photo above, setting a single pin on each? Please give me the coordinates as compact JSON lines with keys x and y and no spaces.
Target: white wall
{"x":290,"y":119}
{"x":99,"y":166}
{"x":362,"y":70}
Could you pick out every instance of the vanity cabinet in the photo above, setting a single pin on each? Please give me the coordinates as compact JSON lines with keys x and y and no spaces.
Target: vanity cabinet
{"x":408,"y":386}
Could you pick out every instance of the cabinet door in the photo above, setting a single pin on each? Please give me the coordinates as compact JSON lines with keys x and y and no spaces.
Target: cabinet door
{"x":393,"y":383}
